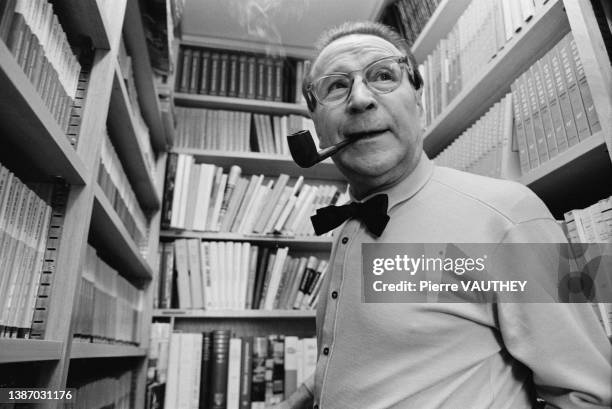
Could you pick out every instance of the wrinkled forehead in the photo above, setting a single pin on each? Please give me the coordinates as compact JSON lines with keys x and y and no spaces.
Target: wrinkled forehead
{"x":352,"y":52}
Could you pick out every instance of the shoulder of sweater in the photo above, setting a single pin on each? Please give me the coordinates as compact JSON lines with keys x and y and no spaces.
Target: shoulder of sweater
{"x":509,"y":199}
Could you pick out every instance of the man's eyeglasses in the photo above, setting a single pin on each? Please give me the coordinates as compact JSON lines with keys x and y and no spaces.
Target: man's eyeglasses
{"x":380,"y":76}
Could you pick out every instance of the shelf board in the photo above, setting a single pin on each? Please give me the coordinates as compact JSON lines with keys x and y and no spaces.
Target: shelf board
{"x":29,"y":350}
{"x":178,"y":313}
{"x":536,"y":37}
{"x":253,"y":45}
{"x":269,"y":164}
{"x":240,"y":104}
{"x":136,"y":44}
{"x":111,"y":236}
{"x":31,"y":138}
{"x":81,"y":350}
{"x":312,"y":243}
{"x":569,"y":164}
{"x":438,"y":26}
{"x":84,"y":18}
{"x":122,"y":129}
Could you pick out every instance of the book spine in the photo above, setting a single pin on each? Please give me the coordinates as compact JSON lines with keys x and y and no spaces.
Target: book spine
{"x":553,"y":103}
{"x":585,"y":90}
{"x":564,"y":99}
{"x":219,"y":369}
{"x":204,"y":72}
{"x":547,"y":124}
{"x":194,"y":77}
{"x":223,"y":73}
{"x":246,"y":373}
{"x":186,"y":70}
{"x":538,"y":128}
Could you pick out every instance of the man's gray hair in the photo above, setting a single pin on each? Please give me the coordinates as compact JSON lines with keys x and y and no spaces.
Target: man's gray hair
{"x":355,"y":27}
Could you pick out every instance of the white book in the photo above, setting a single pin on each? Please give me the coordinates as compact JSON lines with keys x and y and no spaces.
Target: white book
{"x":279,"y":262}
{"x":284,"y":132}
{"x":289,"y":206}
{"x":195,"y":357}
{"x":527,"y":9}
{"x":310,"y":357}
{"x":232,"y":261}
{"x":173,"y":377}
{"x":222,"y":275}
{"x":232,"y":179}
{"x":278,"y":137}
{"x":251,"y":202}
{"x":271,"y":201}
{"x":189,"y":164}
{"x":233,"y":373}
{"x":299,"y":352}
{"x":278,"y":208}
{"x":258,"y":204}
{"x":185,"y":373}
{"x":182,"y":273}
{"x":214,"y":220}
{"x":214,"y":276}
{"x":290,"y":365}
{"x":205,"y":266}
{"x":176,"y":195}
{"x":507,"y":12}
{"x":302,"y":200}
{"x":207,"y":174}
{"x":245,"y":259}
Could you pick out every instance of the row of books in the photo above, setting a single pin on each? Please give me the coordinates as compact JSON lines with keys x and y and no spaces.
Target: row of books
{"x":117,"y":189}
{"x":235,"y":74}
{"x":202,"y":197}
{"x":592,"y":225}
{"x":554,"y":108}
{"x":480,"y":32}
{"x":219,"y":275}
{"x":140,"y":127}
{"x":108,"y":306}
{"x":485,"y":148}
{"x":216,"y":370}
{"x":410,"y":16}
{"x":105,"y":393}
{"x":236,"y":131}
{"x":32,"y":32}
{"x":24,"y":225}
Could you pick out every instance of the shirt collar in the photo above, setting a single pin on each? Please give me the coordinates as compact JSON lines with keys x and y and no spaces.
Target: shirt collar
{"x":407,"y":187}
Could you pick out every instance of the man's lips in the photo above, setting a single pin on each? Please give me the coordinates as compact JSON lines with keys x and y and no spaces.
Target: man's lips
{"x":364,"y":134}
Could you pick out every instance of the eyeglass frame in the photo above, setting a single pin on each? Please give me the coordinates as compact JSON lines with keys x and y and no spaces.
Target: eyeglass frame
{"x":413,"y":76}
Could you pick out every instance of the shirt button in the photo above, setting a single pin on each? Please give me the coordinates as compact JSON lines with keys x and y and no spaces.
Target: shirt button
{"x":344,"y":240}
{"x":326,"y":351}
{"x":334,"y":294}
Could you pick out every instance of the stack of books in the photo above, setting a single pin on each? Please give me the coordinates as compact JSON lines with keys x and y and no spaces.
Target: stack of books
{"x":237,"y":131}
{"x":218,"y":275}
{"x":110,"y":392}
{"x":486,"y":147}
{"x":117,"y":189}
{"x":108,"y":306}
{"x":592,"y":225}
{"x":236,"y":74}
{"x":202,"y":197}
{"x":24,"y":225}
{"x":483,"y":29}
{"x":216,"y":370}
{"x":554,"y":107}
{"x":35,"y":37}
{"x":409,"y":17}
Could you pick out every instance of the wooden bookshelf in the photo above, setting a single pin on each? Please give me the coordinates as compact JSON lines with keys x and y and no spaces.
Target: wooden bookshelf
{"x":438,"y":26}
{"x":85,"y":18}
{"x":111,"y":237}
{"x":240,"y":104}
{"x":122,"y":130}
{"x":312,"y":243}
{"x":537,"y":36}
{"x":571,"y":165}
{"x":85,"y":350}
{"x":135,"y":42}
{"x":38,"y":148}
{"x":29,"y":350}
{"x":266,"y":163}
{"x":256,"y":314}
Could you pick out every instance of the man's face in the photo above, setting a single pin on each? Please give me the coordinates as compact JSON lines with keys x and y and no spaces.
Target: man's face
{"x":391,"y":122}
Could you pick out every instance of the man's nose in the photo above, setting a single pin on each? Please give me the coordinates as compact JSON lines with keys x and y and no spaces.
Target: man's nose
{"x":361,"y":97}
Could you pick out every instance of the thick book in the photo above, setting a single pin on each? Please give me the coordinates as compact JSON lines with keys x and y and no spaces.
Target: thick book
{"x":536,"y":119}
{"x":545,"y":116}
{"x":564,"y":98}
{"x":246,"y":373}
{"x":585,"y":90}
{"x":553,"y":103}
{"x":233,"y":373}
{"x":219,"y":369}
{"x":204,"y":72}
{"x":205,"y":371}
{"x":196,"y":66}
{"x":185,"y":72}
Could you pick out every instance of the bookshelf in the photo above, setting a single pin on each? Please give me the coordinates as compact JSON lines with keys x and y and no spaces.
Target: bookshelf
{"x":247,"y":314}
{"x":240,"y":104}
{"x":36,"y":150}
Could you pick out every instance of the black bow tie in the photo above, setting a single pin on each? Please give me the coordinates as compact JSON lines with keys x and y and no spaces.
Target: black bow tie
{"x":373,"y":213}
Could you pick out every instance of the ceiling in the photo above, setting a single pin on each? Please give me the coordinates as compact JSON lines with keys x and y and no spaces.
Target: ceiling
{"x":275,"y":26}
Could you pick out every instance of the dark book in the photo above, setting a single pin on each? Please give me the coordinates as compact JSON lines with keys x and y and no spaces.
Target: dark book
{"x":307,"y":279}
{"x":251,"y":77}
{"x":269,"y":69}
{"x":16,"y":34}
{"x":34,"y":51}
{"x":563,"y":95}
{"x":223,"y":74}
{"x":246,"y":372}
{"x":260,"y":91}
{"x":278,"y":370}
{"x":205,"y":371}
{"x":185,"y":70}
{"x":7,"y":11}
{"x":233,"y":76}
{"x":213,"y":88}
{"x":258,"y":383}
{"x":196,"y":65}
{"x":169,"y":190}
{"x":242,"y":76}
{"x":204,"y":72}
{"x":262,"y":267}
{"x":278,"y":80}
{"x":585,"y":90}
{"x":25,"y":46}
{"x":218,"y":373}
{"x":553,"y":103}
{"x":567,"y":64}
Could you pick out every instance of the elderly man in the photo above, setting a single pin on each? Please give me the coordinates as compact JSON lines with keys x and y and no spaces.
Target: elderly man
{"x":363,"y":85}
